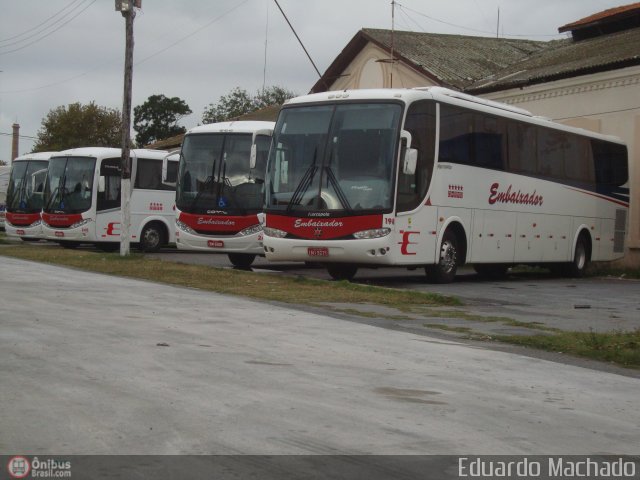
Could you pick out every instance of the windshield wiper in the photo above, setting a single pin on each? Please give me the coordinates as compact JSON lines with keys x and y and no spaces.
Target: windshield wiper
{"x":205,"y":186}
{"x":304,"y":184}
{"x":336,"y":186}
{"x":59,"y":189}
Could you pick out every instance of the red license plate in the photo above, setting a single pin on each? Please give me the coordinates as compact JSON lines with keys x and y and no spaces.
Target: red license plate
{"x":59,"y":234}
{"x":20,"y":232}
{"x":318,"y":251}
{"x":215,"y":244}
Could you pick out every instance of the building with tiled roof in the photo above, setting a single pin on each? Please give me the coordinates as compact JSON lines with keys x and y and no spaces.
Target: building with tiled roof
{"x":590,"y":80}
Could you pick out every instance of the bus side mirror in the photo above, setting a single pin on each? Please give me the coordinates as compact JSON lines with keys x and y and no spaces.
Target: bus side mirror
{"x":409,"y":155}
{"x":170,"y":169}
{"x":253,"y":158}
{"x":101,"y":184}
{"x":410,"y":161}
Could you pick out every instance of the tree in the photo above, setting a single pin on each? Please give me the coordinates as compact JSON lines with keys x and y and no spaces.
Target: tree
{"x":78,"y":125}
{"x":238,"y":102}
{"x":158,"y":117}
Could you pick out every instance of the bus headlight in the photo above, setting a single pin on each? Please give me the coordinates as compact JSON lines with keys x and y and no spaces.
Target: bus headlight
{"x":274,"y":232}
{"x":185,"y":228}
{"x":80,"y":223}
{"x":253,"y":229}
{"x":373,"y":233}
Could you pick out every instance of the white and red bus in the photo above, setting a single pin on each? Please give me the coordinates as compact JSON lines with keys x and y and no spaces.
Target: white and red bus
{"x":82,"y":199}
{"x":25,"y":196}
{"x":4,"y":184}
{"x":219,"y":190}
{"x":433,"y":178}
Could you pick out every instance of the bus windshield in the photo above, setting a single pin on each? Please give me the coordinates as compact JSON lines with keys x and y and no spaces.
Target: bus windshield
{"x":215,"y":174}
{"x":69,"y":185}
{"x":26,"y":185}
{"x":334,"y":157}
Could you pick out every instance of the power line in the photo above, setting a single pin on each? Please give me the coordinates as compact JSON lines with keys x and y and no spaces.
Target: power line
{"x":191,"y":34}
{"x":19,"y":136}
{"x":299,"y":41}
{"x":55,"y":84}
{"x":49,"y":33}
{"x":472,"y":29}
{"x":40,"y":24}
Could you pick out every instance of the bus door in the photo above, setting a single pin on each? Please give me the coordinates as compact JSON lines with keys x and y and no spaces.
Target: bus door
{"x":108,"y":214}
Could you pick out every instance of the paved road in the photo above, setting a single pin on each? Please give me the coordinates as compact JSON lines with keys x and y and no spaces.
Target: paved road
{"x":598,"y":304}
{"x":98,"y":364}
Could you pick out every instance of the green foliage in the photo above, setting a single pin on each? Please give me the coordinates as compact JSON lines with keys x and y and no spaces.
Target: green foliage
{"x":618,"y":347}
{"x":239,"y":102}
{"x":158,"y":117}
{"x":78,"y":125}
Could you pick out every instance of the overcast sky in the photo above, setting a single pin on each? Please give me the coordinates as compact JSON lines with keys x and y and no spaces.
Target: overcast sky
{"x":57,"y":52}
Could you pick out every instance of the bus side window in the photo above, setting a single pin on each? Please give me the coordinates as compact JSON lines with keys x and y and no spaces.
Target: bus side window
{"x":421,"y":123}
{"x":522,"y":148}
{"x":110,"y":198}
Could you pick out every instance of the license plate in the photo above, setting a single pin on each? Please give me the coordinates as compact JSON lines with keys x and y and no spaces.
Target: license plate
{"x":215,"y":243}
{"x":318,"y":251}
{"x":59,"y":234}
{"x":19,"y":232}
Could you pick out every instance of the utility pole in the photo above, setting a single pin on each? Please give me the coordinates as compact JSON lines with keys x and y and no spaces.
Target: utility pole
{"x":126,"y":7}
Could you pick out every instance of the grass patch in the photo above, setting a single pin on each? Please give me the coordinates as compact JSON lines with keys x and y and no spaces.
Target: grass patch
{"x":260,"y":286}
{"x":622,"y":348}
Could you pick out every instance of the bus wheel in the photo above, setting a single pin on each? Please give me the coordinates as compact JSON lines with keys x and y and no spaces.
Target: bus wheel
{"x":494,"y":271}
{"x":152,"y":238}
{"x":339,"y":271}
{"x":581,"y":258}
{"x":445,"y":270}
{"x":241,"y":260}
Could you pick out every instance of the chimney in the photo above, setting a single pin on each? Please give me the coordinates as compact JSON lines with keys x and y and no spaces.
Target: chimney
{"x":14,"y":142}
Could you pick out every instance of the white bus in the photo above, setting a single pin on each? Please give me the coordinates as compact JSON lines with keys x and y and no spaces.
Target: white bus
{"x":219,"y":190}
{"x":432,"y":178}
{"x":82,"y":199}
{"x":25,"y":196}
{"x":4,"y":184}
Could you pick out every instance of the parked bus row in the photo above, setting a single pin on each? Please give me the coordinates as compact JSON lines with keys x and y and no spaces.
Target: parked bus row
{"x":73,"y":197}
{"x":418,"y":178}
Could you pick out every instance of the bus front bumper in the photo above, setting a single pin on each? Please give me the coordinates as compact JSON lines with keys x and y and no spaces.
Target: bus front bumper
{"x":248,"y":244}
{"x":376,"y":251}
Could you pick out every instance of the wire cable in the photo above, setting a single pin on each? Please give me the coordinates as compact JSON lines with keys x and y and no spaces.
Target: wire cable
{"x":49,"y":33}
{"x":474,"y":29}
{"x":4,"y":40}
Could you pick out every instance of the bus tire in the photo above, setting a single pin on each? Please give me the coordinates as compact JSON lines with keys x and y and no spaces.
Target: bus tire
{"x":493,"y":271}
{"x":152,"y":238}
{"x":445,"y":270}
{"x":342,"y":271}
{"x":241,"y":260}
{"x":581,"y":258}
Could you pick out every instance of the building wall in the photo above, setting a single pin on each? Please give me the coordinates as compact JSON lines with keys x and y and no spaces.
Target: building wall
{"x":367,"y":71}
{"x":608,"y":103}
